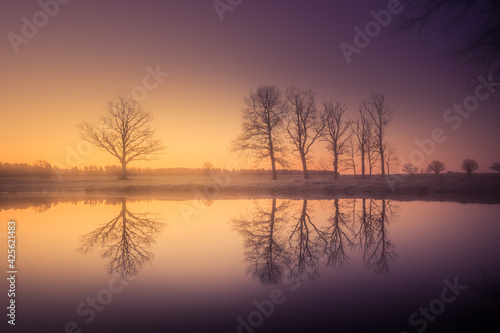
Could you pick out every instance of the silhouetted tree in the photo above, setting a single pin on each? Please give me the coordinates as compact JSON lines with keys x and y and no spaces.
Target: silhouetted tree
{"x":391,"y":156}
{"x":469,"y":166}
{"x":479,"y":18}
{"x":350,"y":161}
{"x":303,"y":124}
{"x":336,"y":131}
{"x":263,"y":117}
{"x":495,"y":166}
{"x":124,"y":132}
{"x":381,"y":115}
{"x":43,"y":168}
{"x":362,"y":130}
{"x":125,"y":240}
{"x":323,"y":165}
{"x":410,"y":169}
{"x":265,"y":246}
{"x":436,"y":167}
{"x":372,"y":155}
{"x":207,"y":167}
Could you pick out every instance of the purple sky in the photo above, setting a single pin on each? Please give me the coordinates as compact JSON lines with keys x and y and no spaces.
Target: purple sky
{"x":90,"y":51}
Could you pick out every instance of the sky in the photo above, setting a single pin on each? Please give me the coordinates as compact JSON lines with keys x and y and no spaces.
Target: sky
{"x":85,"y":53}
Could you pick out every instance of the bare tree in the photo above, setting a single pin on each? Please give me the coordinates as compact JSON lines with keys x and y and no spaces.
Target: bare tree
{"x":43,"y":168}
{"x":469,"y":166}
{"x":323,"y":165}
{"x":381,"y":115}
{"x":263,"y":117}
{"x":481,"y":48}
{"x":362,"y":130}
{"x":410,"y":169}
{"x":207,"y":167}
{"x":336,"y":131}
{"x":303,"y":124}
{"x":495,"y":166}
{"x":350,"y":161}
{"x":124,"y":132}
{"x":436,"y":167}
{"x":391,"y":156}
{"x":372,"y":155}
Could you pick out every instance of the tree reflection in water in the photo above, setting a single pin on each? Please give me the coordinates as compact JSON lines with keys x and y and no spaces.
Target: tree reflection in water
{"x":126,"y":241}
{"x":278,"y":244}
{"x":266,"y":253}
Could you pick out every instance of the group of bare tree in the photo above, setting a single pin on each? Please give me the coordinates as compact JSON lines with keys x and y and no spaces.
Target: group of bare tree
{"x":283,"y":244}
{"x":271,"y":119}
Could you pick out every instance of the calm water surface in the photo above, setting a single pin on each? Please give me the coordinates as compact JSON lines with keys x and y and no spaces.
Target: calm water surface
{"x":256,"y":266}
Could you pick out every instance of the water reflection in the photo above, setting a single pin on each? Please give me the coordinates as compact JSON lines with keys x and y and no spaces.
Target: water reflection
{"x":263,"y":231}
{"x":283,"y":241}
{"x":304,"y":242}
{"x":379,"y":251}
{"x":339,"y":234}
{"x":125,"y":241}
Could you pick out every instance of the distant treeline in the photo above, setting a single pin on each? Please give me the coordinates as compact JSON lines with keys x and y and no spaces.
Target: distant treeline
{"x":46,"y":170}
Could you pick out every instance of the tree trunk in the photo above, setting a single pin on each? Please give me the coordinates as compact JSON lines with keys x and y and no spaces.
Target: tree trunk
{"x":124,"y":170}
{"x":362,"y":162}
{"x":335,"y":165}
{"x":271,"y":154}
{"x":382,"y":164}
{"x":304,"y":165}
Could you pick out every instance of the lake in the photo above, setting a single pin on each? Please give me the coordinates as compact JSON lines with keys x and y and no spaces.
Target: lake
{"x":267,"y":265}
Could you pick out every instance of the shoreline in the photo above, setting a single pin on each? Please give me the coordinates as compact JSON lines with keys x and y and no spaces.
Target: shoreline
{"x":478,"y":188}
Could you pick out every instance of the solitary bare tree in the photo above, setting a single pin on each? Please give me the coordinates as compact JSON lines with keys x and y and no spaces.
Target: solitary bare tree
{"x":381,"y":115}
{"x":124,"y":132}
{"x":436,"y":167}
{"x":469,"y":166}
{"x":303,"y":124}
{"x":263,"y":117}
{"x":495,"y":166}
{"x":336,"y":131}
{"x":362,"y":130}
